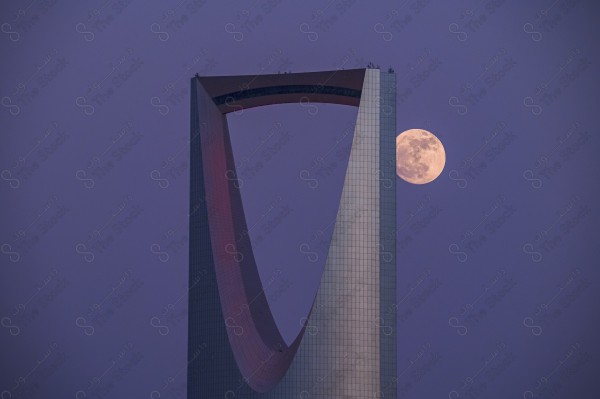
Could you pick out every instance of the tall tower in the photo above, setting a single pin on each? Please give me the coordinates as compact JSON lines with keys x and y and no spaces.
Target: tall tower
{"x":347,"y":346}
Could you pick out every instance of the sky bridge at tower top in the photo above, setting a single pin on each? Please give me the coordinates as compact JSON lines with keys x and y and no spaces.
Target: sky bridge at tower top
{"x":234,"y":93}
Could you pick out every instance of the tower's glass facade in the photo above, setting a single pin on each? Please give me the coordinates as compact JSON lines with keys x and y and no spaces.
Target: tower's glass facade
{"x":347,"y":348}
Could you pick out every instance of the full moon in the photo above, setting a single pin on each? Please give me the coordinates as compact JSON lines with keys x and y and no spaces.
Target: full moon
{"x":420,"y":156}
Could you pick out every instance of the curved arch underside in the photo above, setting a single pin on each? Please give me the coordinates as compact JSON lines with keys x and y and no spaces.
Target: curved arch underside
{"x":233,"y":93}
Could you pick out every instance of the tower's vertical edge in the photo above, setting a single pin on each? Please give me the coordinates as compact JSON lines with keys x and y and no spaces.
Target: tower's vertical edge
{"x":387,"y":226}
{"x":211,"y":369}
{"x":197,"y":239}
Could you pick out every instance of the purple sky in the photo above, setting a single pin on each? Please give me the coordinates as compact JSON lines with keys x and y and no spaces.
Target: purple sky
{"x":495,"y":257}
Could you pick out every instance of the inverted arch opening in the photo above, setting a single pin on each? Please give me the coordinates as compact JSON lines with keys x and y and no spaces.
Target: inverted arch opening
{"x":270,"y":152}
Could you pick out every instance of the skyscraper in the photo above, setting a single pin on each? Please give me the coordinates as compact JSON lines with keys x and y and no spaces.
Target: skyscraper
{"x":347,"y":346}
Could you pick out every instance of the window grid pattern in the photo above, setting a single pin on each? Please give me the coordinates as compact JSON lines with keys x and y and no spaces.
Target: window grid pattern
{"x":339,"y":354}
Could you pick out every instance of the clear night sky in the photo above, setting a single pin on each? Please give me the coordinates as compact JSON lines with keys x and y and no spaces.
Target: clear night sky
{"x":497,"y":258}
